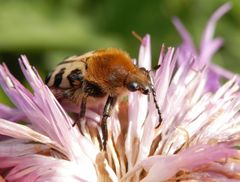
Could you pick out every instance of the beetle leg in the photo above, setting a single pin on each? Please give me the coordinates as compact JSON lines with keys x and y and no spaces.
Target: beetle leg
{"x":111,"y":101}
{"x":81,"y":117}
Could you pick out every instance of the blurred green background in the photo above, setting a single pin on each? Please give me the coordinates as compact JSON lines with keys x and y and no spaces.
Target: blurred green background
{"x":48,"y":31}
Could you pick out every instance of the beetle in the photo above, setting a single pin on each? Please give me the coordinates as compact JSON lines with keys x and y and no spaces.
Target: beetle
{"x":102,"y":73}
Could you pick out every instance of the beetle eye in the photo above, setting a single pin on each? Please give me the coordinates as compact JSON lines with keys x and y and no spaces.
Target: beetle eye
{"x":132,"y":86}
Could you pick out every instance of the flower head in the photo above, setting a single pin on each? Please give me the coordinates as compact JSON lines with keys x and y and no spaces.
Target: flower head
{"x":196,"y":140}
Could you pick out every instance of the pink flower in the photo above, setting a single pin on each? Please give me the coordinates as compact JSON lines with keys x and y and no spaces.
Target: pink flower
{"x":196,"y":140}
{"x":208,"y":47}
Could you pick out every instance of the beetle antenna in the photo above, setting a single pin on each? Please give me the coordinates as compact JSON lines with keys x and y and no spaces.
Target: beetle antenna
{"x":155,"y":68}
{"x":155,"y":102}
{"x":157,"y":107}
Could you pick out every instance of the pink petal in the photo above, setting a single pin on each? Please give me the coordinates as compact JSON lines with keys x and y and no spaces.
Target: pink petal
{"x":41,"y":168}
{"x":187,"y":40}
{"x":144,"y":59}
{"x":190,"y":159}
{"x":13,"y":148}
{"x":23,"y":132}
{"x":45,"y":113}
{"x":209,"y":31}
{"x":11,"y":114}
{"x":138,"y":103}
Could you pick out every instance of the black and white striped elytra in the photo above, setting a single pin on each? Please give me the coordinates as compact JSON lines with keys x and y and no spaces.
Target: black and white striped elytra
{"x":68,"y":73}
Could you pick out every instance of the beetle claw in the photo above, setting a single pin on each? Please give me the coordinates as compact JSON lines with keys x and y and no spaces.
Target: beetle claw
{"x":80,"y":123}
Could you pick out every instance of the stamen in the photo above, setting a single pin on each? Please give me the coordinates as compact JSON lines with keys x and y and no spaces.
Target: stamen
{"x":137,"y":36}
